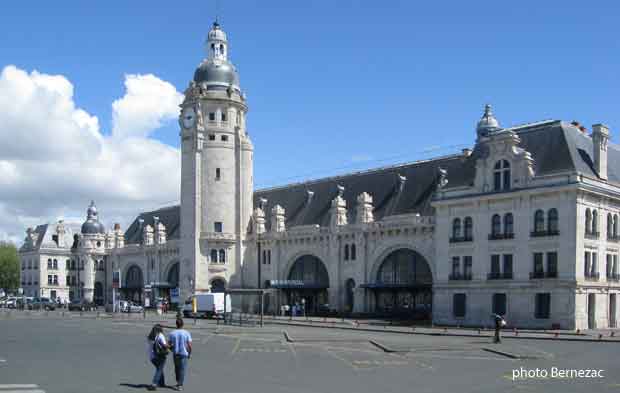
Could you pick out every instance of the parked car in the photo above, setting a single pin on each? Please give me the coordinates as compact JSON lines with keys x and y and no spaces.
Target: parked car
{"x":81,"y":305}
{"x":11,"y":302}
{"x":129,"y":307}
{"x":42,"y":303}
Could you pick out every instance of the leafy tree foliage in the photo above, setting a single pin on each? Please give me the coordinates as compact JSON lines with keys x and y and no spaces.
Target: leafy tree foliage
{"x":9,"y":266}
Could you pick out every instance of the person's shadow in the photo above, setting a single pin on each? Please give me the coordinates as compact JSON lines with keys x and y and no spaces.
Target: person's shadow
{"x":142,"y":386}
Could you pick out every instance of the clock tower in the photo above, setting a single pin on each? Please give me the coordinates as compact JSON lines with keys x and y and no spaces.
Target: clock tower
{"x":216,"y":173}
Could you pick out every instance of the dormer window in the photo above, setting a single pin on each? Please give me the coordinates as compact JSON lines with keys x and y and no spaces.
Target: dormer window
{"x":501,"y":176}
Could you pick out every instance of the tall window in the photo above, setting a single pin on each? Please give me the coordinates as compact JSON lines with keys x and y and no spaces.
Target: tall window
{"x":49,"y":263}
{"x":608,"y":266}
{"x":67,"y":265}
{"x":353,"y":252}
{"x":538,"y":264}
{"x":214,"y":256}
{"x":615,"y":227}
{"x":499,"y":303}
{"x":552,"y":221}
{"x":218,"y":174}
{"x":594,"y":229}
{"x":469,"y":228}
{"x":467,"y":268}
{"x":552,"y":264}
{"x":587,"y":264}
{"x":501,"y":176}
{"x":610,"y":226}
{"x":496,"y":225}
{"x":508,"y":225}
{"x":507,"y":265}
{"x":456,"y":267}
{"x":495,"y":268}
{"x":222,"y":256}
{"x":346,"y":252}
{"x":264,"y":257}
{"x":459,"y":305}
{"x":588,"y":221}
{"x":456,"y":228}
{"x":543,"y":305}
{"x":539,"y":221}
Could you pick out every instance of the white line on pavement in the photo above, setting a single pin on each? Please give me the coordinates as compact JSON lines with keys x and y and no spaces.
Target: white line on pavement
{"x":18,"y":386}
{"x":23,"y":391}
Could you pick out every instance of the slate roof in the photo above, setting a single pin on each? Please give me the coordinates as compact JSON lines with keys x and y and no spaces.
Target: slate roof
{"x":44,"y":236}
{"x":555,"y":146}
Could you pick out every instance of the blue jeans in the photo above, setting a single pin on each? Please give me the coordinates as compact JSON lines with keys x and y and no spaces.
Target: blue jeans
{"x":180,"y":365}
{"x":158,"y":378}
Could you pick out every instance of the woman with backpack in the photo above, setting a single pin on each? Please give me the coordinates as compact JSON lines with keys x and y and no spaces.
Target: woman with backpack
{"x":158,"y":350}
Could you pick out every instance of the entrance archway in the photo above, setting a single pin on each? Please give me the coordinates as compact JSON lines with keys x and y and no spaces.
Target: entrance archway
{"x":218,"y":285}
{"x":99,"y":294}
{"x":350,"y":295}
{"x":307,"y":285}
{"x":403,"y":285}
{"x":134,"y":284}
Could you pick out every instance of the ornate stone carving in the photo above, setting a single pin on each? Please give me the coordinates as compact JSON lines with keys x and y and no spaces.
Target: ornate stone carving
{"x":259,"y":220}
{"x":364,"y":208}
{"x":278,"y":219}
{"x":147,"y":236}
{"x":338,"y":211}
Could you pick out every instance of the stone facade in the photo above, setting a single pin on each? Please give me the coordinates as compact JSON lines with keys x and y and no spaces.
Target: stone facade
{"x":525,"y":224}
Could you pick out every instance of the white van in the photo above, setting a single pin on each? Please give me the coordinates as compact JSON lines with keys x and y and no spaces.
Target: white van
{"x":208,"y":305}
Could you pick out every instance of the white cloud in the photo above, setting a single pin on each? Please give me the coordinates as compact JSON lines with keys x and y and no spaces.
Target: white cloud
{"x":54,"y":158}
{"x":148,"y":102}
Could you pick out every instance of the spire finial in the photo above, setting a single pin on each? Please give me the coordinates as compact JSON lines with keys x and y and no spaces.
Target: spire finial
{"x":488,"y":123}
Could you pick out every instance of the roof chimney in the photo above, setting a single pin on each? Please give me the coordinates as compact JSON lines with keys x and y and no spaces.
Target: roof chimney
{"x":600,"y":139}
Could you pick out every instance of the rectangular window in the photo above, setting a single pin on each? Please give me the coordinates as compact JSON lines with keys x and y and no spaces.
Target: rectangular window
{"x":467,"y":268}
{"x":506,"y":180}
{"x":55,"y":280}
{"x":224,"y":138}
{"x":212,"y":116}
{"x":586,"y":264}
{"x":499,"y":304}
{"x":49,"y":280}
{"x":218,"y":227}
{"x":543,"y":305}
{"x":456,"y":267}
{"x":68,"y":280}
{"x":459,"y":305}
{"x":552,"y":264}
{"x":615,"y":266}
{"x":495,"y":264}
{"x":218,"y":174}
{"x":269,"y":257}
{"x":608,"y":266}
{"x":538,"y":263}
{"x":211,"y":137}
{"x":55,"y":264}
{"x":224,"y":116}
{"x":594,"y":269}
{"x":507,"y":265}
{"x":53,"y":294}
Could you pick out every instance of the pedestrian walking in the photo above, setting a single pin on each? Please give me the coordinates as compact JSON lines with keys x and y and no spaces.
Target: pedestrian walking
{"x":158,"y":349}
{"x":500,"y":322}
{"x":181,"y":342}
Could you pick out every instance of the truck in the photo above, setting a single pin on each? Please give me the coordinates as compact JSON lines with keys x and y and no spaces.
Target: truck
{"x":208,"y":305}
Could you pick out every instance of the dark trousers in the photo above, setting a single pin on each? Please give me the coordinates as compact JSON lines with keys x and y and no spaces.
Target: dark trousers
{"x":159,"y":378}
{"x":497,"y":339}
{"x":180,"y":365}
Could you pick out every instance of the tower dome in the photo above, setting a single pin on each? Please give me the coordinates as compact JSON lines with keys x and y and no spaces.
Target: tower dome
{"x":488,"y":123}
{"x":216,"y":71}
{"x":92,"y":225}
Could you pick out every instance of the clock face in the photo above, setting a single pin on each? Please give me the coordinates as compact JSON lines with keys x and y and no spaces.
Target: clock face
{"x":188,"y":117}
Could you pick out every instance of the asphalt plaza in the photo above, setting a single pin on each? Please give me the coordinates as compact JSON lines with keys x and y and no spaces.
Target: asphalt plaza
{"x":55,"y":354}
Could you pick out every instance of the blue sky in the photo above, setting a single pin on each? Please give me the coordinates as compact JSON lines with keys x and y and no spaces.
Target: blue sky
{"x":335,"y":86}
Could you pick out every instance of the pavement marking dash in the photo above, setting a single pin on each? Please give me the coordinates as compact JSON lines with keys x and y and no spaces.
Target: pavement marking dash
{"x":236,"y":346}
{"x":18,"y":386}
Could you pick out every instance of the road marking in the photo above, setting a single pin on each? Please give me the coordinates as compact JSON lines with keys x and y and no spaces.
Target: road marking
{"x":20,"y":388}
{"x":236,"y":346}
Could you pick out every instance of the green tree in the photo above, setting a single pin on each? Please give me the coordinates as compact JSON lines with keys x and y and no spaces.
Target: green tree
{"x":9,"y":266}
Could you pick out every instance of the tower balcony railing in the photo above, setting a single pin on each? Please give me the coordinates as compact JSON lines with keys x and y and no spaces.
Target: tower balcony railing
{"x":501,"y":236}
{"x":545,"y":233}
{"x":592,"y":276}
{"x":461,"y":239}
{"x":499,"y":276}
{"x":460,"y":277}
{"x":540,"y":275}
{"x":218,"y":236}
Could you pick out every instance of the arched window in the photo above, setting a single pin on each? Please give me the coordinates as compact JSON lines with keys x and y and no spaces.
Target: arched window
{"x":501,"y":175}
{"x":456,"y":228}
{"x":222,"y":256}
{"x":552,"y":221}
{"x":346,"y":252}
{"x":610,"y":226}
{"x":539,"y":221}
{"x":508,"y":225}
{"x":469,"y":228}
{"x":594,"y":230}
{"x":264,"y":257}
{"x":49,"y":263}
{"x":588,"y":221}
{"x":353,"y":252}
{"x":214,"y":256}
{"x":496,"y":225}
{"x":615,"y":228}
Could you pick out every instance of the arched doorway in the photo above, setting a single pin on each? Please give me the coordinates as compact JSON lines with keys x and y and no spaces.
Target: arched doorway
{"x":350,"y":295}
{"x":99,"y":294}
{"x":307,"y":285}
{"x":403,"y":285}
{"x":134,"y":284}
{"x":173,"y":276}
{"x":218,"y":285}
